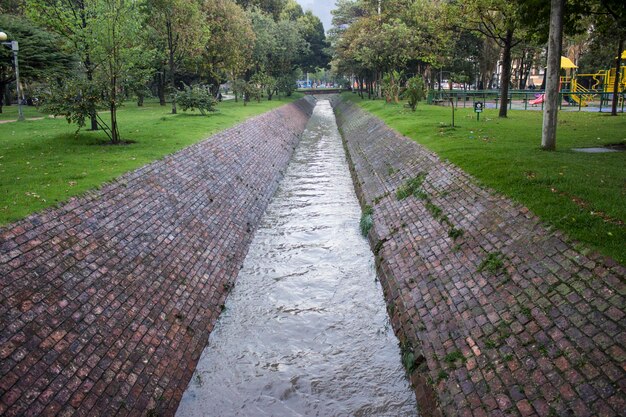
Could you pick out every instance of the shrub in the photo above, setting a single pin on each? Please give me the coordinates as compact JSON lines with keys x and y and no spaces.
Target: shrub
{"x":414,"y":91}
{"x":76,"y":99}
{"x":196,"y":97}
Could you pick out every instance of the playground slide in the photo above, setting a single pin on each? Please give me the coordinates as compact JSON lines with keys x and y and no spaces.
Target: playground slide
{"x":577,"y":99}
{"x":538,"y":100}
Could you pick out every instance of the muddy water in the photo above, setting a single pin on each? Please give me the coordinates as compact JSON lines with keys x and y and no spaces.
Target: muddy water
{"x":305,"y":331}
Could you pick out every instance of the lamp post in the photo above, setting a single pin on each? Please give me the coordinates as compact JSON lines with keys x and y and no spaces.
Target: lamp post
{"x":14,"y":48}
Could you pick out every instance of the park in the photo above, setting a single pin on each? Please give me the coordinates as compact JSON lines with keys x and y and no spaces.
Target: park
{"x":333,"y":208}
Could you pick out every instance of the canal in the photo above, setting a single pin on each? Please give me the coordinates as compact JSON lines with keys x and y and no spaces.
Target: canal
{"x":305,"y":332}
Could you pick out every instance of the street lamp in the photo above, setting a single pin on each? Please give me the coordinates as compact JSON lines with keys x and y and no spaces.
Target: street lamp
{"x":14,"y":48}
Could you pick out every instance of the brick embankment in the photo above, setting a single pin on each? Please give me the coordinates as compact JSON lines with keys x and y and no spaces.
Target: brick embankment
{"x":108,"y":301}
{"x":504,"y":316}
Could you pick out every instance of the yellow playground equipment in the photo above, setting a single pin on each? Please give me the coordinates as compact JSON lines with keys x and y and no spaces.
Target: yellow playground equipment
{"x":586,"y":86}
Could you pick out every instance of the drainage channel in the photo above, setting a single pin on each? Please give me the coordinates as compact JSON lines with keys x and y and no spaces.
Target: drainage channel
{"x":305,"y":332}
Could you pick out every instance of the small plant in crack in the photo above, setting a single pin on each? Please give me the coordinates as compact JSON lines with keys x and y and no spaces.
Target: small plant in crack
{"x":442,"y":375}
{"x":491,"y":344}
{"x":493,"y":262}
{"x":455,"y":233}
{"x":410,"y":361}
{"x":366,"y":222}
{"x":411,"y":186}
{"x":454,"y":356}
{"x":434,"y":210}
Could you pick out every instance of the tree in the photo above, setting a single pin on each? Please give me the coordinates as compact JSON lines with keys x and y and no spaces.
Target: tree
{"x":499,"y":21}
{"x":273,"y":8}
{"x":40,"y":54}
{"x":316,"y":53}
{"x":277,"y":46}
{"x":116,"y":49}
{"x":551,"y":108}
{"x":615,"y":23}
{"x":71,"y":20}
{"x":228,"y":52}
{"x":181,"y":27}
{"x":12,"y":7}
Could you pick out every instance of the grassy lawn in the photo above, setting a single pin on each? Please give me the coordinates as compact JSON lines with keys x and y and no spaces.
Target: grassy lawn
{"x":43,"y":162}
{"x":582,"y":194}
{"x":10,"y":112}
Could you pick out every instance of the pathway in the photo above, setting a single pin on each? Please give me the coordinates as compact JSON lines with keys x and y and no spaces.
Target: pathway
{"x":15,"y":120}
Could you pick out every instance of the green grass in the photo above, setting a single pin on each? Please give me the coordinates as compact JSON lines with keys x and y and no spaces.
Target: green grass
{"x":10,"y":112}
{"x":43,"y":162}
{"x":583,"y":195}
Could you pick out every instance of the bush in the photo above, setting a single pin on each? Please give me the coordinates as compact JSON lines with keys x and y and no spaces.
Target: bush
{"x":414,"y":91}
{"x":76,"y":99}
{"x":196,"y":97}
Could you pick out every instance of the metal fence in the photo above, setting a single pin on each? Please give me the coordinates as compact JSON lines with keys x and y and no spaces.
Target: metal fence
{"x":527,"y":99}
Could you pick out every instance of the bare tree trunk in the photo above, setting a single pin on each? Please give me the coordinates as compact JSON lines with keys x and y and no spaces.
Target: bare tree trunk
{"x":618,"y":67}
{"x":3,"y":88}
{"x":529,"y":64}
{"x":161,"y":87}
{"x":506,"y":73}
{"x":551,"y":101}
{"x":520,"y":71}
{"x":115,"y":134}
{"x":170,"y":44}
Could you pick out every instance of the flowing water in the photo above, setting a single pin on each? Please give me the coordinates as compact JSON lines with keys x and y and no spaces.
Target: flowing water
{"x":305,"y":331}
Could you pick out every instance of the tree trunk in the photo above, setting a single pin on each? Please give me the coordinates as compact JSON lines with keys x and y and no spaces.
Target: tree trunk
{"x":161,"y":87}
{"x":170,"y":44}
{"x":88,"y":64}
{"x":3,"y":88}
{"x":529,"y":64}
{"x":506,"y":73}
{"x":140,"y":98}
{"x":618,"y":67}
{"x":520,"y":72}
{"x":7,"y":97}
{"x":551,"y":101}
{"x":115,"y":134}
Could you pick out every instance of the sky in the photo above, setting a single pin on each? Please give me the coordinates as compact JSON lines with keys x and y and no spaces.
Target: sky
{"x":321,"y":9}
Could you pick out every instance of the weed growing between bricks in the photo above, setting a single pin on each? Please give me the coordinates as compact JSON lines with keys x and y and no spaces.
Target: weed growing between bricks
{"x":366,"y":222}
{"x":493,"y":263}
{"x":414,"y":187}
{"x":411,"y":187}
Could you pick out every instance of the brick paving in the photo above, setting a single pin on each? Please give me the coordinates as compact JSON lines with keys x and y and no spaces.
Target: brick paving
{"x":505,"y":317}
{"x":108,"y":301}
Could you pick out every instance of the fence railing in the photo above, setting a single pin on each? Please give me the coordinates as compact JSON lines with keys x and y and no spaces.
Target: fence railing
{"x":526,"y":99}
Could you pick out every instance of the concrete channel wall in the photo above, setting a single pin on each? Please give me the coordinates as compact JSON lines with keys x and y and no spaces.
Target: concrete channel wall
{"x":107,"y":302}
{"x":496,"y":314}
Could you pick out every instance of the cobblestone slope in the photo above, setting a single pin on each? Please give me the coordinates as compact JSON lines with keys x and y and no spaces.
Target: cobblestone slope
{"x":108,"y":301}
{"x":498,"y":315}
